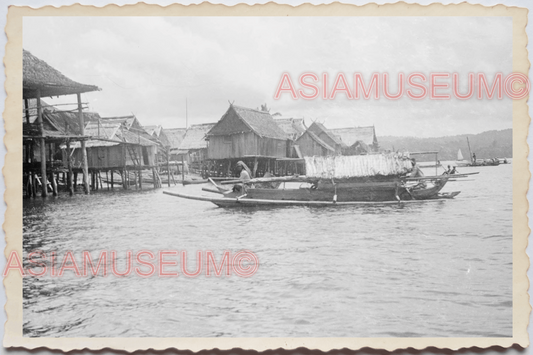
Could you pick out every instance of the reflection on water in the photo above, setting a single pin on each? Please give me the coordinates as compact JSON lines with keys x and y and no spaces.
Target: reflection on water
{"x":432,"y":269}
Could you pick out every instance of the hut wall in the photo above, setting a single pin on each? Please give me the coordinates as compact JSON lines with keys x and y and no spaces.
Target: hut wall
{"x":99,"y":157}
{"x":111,"y":157}
{"x":247,"y":143}
{"x":309,"y":147}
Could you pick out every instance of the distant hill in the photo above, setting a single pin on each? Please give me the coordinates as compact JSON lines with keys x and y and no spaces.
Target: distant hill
{"x":490,"y":144}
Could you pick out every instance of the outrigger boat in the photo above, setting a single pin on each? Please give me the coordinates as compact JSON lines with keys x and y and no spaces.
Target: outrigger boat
{"x":318,"y":189}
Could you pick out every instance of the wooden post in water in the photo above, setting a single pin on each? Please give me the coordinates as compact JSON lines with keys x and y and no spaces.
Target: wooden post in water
{"x":44,"y":187}
{"x":69,"y":174}
{"x":182,"y":171}
{"x":85,"y":164}
{"x":140,"y":166}
{"x":168,"y":165}
{"x":54,"y":183}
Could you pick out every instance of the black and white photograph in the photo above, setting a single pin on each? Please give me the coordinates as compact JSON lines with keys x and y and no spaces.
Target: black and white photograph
{"x":268,"y":176}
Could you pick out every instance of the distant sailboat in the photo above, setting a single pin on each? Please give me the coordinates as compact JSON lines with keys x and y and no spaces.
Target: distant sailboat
{"x":461,"y":160}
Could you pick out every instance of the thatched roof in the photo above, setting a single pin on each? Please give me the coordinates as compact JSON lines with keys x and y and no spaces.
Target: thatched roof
{"x":128,"y":121}
{"x":58,"y":124}
{"x":195,"y":136}
{"x":63,"y":119}
{"x":175,"y":136}
{"x":32,"y":108}
{"x":98,"y":129}
{"x":37,"y":75}
{"x":259,"y":122}
{"x":316,"y":139}
{"x":154,"y":130}
{"x":318,"y":129}
{"x":105,"y":134}
{"x":134,"y":138}
{"x":351,"y":135}
{"x":293,"y":127}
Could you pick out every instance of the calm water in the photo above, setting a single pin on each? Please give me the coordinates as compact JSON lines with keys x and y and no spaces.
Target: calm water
{"x":433,"y":269}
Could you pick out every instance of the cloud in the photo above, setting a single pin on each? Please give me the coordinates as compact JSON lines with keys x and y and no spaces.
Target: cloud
{"x":150,"y":65}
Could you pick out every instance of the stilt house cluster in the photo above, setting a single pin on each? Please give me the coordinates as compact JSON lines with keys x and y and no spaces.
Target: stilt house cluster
{"x":62,"y":146}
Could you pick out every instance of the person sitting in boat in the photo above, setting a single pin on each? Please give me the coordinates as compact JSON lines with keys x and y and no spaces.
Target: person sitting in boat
{"x":417,"y":172}
{"x":447,"y":171}
{"x":244,"y":175}
{"x":454,"y":171}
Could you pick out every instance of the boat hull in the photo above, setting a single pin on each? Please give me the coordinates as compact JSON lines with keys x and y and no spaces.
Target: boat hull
{"x":248,"y":202}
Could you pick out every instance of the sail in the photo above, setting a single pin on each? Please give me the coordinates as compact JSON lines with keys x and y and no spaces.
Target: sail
{"x":460,"y":155}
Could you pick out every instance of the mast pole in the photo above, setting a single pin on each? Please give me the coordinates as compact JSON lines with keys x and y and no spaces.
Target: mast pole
{"x":469,"y":151}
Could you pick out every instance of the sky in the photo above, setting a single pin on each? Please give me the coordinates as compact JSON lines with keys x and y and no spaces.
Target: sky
{"x":152,"y":66}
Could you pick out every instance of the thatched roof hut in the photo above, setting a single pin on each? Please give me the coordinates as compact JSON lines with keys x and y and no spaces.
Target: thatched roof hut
{"x":38,"y":76}
{"x":327,"y":136}
{"x":175,"y":136}
{"x":351,"y":135}
{"x":58,"y":124}
{"x":293,"y":127}
{"x":159,"y":134}
{"x":195,"y":137}
{"x":246,"y":132}
{"x":239,"y":119}
{"x":309,"y":144}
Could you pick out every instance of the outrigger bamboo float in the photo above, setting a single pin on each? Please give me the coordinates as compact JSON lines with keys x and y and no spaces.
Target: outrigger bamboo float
{"x":336,"y":181}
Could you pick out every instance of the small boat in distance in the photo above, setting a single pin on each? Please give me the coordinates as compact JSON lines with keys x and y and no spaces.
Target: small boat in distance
{"x":461,"y":162}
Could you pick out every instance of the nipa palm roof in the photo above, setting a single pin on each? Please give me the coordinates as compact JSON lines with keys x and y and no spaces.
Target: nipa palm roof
{"x":317,"y":139}
{"x":195,"y":136}
{"x":317,"y":128}
{"x":259,"y":122}
{"x":175,"y":136}
{"x":293,"y":127}
{"x":353,"y":134}
{"x":38,"y":76}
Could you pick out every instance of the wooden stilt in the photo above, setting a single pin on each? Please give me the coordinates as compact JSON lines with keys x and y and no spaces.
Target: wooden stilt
{"x":168,"y":165}
{"x":54,"y":183}
{"x":182,"y":171}
{"x":112,"y":182}
{"x":107,"y":179}
{"x":44,"y":191}
{"x":85,"y":164}
{"x":69,"y":174}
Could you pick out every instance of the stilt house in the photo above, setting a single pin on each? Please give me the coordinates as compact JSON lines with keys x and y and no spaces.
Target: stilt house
{"x":41,"y":80}
{"x":246,"y":132}
{"x":194,"y":145}
{"x":358,"y":140}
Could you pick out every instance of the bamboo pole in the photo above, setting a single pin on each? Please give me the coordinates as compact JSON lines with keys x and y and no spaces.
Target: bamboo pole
{"x":85,"y":164}
{"x":44,"y":188}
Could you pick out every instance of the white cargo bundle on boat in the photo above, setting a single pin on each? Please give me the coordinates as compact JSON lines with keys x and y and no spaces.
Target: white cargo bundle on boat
{"x":357,"y":165}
